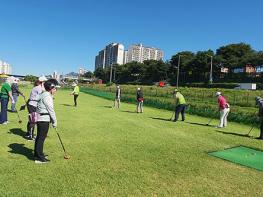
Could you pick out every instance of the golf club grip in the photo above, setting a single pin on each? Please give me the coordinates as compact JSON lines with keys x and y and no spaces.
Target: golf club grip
{"x":60,"y":141}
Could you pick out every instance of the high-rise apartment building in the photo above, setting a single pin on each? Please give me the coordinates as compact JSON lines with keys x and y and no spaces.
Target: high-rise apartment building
{"x":5,"y":68}
{"x":112,"y":54}
{"x":140,"y":53}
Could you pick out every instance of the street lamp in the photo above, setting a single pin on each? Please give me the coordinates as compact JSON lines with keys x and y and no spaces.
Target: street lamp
{"x":211,"y":69}
{"x":110,"y":73}
{"x":178,"y":67}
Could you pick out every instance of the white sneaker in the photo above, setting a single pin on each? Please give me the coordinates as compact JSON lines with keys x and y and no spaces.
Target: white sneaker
{"x":6,"y":122}
{"x":40,"y":162}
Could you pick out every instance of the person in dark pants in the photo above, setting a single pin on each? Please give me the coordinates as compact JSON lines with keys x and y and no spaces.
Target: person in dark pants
{"x":75,"y":93}
{"x":45,"y":110}
{"x":180,"y":105}
{"x":6,"y":93}
{"x":259,"y":102}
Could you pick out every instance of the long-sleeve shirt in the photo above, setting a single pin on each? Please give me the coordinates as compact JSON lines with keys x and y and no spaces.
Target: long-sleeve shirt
{"x":15,"y":89}
{"x":76,"y":90}
{"x":221,"y":102}
{"x":34,"y":95}
{"x":118,"y":93}
{"x":45,"y":109}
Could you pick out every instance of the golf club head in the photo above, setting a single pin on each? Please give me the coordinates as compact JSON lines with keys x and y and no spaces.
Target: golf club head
{"x":66,"y":156}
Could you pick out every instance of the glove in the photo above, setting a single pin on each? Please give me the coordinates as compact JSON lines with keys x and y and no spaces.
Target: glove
{"x":54,"y":125}
{"x":13,"y":102}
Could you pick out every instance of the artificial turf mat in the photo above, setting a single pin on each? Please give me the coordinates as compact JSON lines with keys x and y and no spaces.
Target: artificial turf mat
{"x":242,"y":155}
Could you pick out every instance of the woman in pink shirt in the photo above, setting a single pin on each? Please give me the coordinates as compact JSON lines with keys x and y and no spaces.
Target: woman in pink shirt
{"x":223,"y":109}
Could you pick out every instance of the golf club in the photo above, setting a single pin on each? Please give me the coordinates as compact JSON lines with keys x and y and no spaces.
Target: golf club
{"x":250,"y":129}
{"x":19,"y":119}
{"x":66,"y":156}
{"x":209,"y":122}
{"x":23,"y":107}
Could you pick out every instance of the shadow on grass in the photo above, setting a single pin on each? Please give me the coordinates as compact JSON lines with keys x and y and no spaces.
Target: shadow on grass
{"x":20,"y":149}
{"x":200,"y":124}
{"x":131,"y":112}
{"x":67,"y":105}
{"x":236,"y":134}
{"x":107,"y":106}
{"x":17,"y":131}
{"x":163,"y":119}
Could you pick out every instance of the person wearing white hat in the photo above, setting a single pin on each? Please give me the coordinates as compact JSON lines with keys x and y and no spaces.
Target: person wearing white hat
{"x":6,"y":93}
{"x":75,"y":93}
{"x":117,"y":100}
{"x":140,"y":99}
{"x":224,"y":109}
{"x":32,"y":106}
{"x":15,"y":93}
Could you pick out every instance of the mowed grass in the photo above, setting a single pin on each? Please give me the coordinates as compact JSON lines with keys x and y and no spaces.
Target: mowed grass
{"x":122,"y":153}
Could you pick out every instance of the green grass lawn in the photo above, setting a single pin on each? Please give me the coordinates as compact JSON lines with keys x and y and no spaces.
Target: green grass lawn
{"x":122,"y":153}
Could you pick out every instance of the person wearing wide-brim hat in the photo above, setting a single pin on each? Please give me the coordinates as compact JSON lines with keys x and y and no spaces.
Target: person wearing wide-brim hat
{"x":6,"y":93}
{"x":180,"y":105}
{"x":259,"y":102}
{"x":224,"y":109}
{"x":32,"y":106}
{"x":75,"y":93}
{"x":15,"y":93}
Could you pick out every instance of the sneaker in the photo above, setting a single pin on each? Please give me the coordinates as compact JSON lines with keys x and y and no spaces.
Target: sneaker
{"x":6,"y":122}
{"x":41,"y":161}
{"x":30,"y":138}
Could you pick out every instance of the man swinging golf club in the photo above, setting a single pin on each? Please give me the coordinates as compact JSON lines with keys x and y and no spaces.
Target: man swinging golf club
{"x":15,"y":93}
{"x":224,"y":110}
{"x":259,"y":102}
{"x":180,"y":104}
{"x":46,"y":114}
{"x":32,"y":106}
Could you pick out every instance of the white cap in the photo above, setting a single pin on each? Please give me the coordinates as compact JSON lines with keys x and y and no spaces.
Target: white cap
{"x":74,"y":84}
{"x":15,"y":80}
{"x":218,"y":93}
{"x":138,"y":88}
{"x":42,"y":78}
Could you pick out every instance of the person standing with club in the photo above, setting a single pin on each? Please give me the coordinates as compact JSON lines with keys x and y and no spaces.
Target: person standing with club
{"x":140,"y":100}
{"x":6,"y":93}
{"x":224,"y":109}
{"x":46,"y":114}
{"x":180,"y":104}
{"x":75,"y":93}
{"x":259,"y":102}
{"x":15,"y":93}
{"x":32,"y":106}
{"x":117,"y":100}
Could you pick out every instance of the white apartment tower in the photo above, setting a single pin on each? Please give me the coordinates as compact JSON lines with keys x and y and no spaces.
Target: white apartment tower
{"x":112,"y":54}
{"x":5,"y":68}
{"x":139,"y":53}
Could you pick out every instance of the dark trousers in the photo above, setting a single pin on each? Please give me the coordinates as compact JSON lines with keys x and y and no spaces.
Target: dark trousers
{"x":4,"y":104}
{"x":30,"y":125}
{"x":42,"y":130}
{"x":178,"y":109}
{"x":75,"y":99}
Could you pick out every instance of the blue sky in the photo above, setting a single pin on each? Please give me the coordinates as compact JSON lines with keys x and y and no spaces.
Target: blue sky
{"x":40,"y":36}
